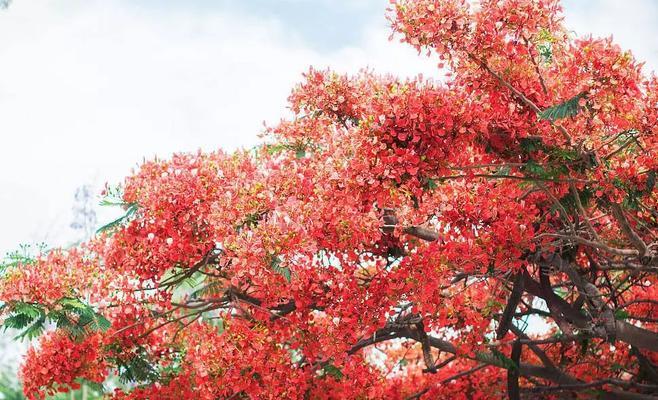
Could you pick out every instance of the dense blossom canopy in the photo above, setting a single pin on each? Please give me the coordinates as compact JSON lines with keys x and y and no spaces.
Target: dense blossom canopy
{"x":491,"y":233}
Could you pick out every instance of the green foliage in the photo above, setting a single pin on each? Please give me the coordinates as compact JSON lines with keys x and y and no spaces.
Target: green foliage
{"x":617,"y":367}
{"x":621,"y":314}
{"x":563,"y":110}
{"x":429,"y":184}
{"x":333,"y":371}
{"x":545,"y":52}
{"x":25,"y":317}
{"x":651,"y":182}
{"x":26,"y":254}
{"x":113,"y":197}
{"x":218,"y":323}
{"x":545,"y":46}
{"x":70,"y":314}
{"x":634,"y":193}
{"x":491,"y":307}
{"x":9,"y":388}
{"x":558,"y":164}
{"x":503,"y":360}
{"x":193,"y":287}
{"x":544,"y":172}
{"x":276,"y":148}
{"x":87,"y":319}
{"x":532,"y":168}
{"x":278,"y":268}
{"x":299,"y":148}
{"x":563,"y":155}
{"x":211,"y":289}
{"x":141,"y":368}
{"x":568,"y":201}
{"x":172,"y":368}
{"x":530,"y":145}
{"x":131,"y":210}
{"x":627,"y":140}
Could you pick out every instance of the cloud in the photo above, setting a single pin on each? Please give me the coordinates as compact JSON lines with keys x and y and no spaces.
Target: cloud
{"x":89,"y":88}
{"x":632,"y":24}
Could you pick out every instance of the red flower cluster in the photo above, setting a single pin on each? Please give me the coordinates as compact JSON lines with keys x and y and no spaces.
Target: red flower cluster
{"x":59,"y":362}
{"x":49,"y":278}
{"x":471,"y":238}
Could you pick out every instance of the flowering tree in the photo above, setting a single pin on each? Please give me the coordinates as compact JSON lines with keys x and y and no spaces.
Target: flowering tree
{"x":490,"y":235}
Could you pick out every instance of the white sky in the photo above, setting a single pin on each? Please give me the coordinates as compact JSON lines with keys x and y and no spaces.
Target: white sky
{"x":88,"y":88}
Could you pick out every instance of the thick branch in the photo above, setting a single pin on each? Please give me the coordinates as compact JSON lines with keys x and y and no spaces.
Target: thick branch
{"x":508,"y":313}
{"x":513,"y":373}
{"x":626,"y":227}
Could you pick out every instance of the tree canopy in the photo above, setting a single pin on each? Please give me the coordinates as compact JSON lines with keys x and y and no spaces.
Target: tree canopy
{"x":485,"y":235}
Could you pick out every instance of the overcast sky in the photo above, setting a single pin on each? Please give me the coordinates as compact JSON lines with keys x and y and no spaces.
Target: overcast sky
{"x":89,"y":88}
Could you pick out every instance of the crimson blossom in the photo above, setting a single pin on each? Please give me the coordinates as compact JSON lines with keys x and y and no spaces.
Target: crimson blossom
{"x":491,"y":234}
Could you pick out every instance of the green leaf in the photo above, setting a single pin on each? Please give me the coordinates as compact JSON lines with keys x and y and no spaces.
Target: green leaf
{"x":545,"y":52}
{"x":564,"y":154}
{"x":533,"y":168}
{"x":27,"y":308}
{"x":127,"y":217}
{"x":75,"y":317}
{"x":498,"y":358}
{"x":563,"y":110}
{"x":138,"y":369}
{"x":333,"y":371}
{"x":26,"y":254}
{"x":431,"y":184}
{"x":113,"y":197}
{"x":616,"y":367}
{"x":529,"y":145}
{"x":284,"y":271}
{"x":74,"y":330}
{"x":73,"y":303}
{"x":621,"y":314}
{"x":651,"y":182}
{"x":34,"y":330}
{"x":212,"y":288}
{"x":9,"y":388}
{"x":273,"y":149}
{"x":113,"y":203}
{"x":173,"y":367}
{"x":505,"y":361}
{"x":103,"y":323}
{"x":26,"y":317}
{"x":88,"y":318}
{"x":17,"y":321}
